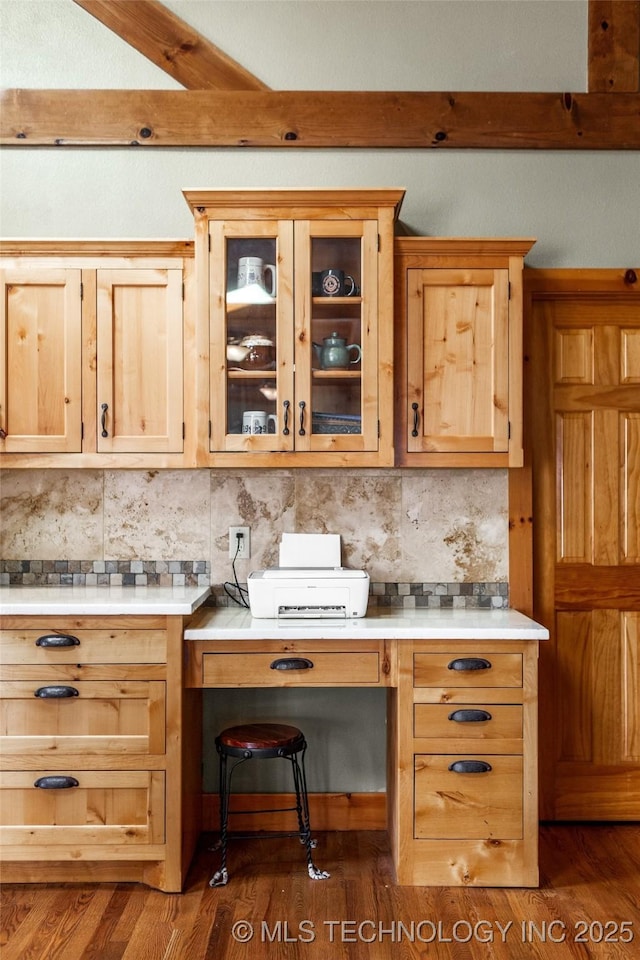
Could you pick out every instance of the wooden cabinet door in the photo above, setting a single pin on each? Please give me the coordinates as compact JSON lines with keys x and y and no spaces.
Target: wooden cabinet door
{"x":40,"y":361}
{"x":139,"y":361}
{"x":251,"y":336}
{"x":308,"y":410}
{"x":337,"y":406}
{"x":305,"y":403}
{"x":458,"y":360}
{"x":583,"y":398}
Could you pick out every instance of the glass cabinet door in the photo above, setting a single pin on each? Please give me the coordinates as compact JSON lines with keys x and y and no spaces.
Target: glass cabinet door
{"x":251,"y":312}
{"x":294,"y":335}
{"x":336,"y":286}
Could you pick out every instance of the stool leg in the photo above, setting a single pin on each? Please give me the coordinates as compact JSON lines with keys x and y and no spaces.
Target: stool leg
{"x":302,"y":809}
{"x":221,"y":876}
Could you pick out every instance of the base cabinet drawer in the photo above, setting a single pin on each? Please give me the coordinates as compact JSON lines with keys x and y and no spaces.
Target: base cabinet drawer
{"x":82,"y":646}
{"x":308,"y":668}
{"x":467,"y":670}
{"x":468,"y":721}
{"x":88,"y":717}
{"x":468,"y":797}
{"x":81,"y":808}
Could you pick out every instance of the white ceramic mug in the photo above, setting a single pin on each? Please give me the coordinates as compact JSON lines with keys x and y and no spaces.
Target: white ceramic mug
{"x":253,"y":270}
{"x":258,"y":421}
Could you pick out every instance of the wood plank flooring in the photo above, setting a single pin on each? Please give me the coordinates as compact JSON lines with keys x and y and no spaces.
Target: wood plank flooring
{"x":587,"y":906}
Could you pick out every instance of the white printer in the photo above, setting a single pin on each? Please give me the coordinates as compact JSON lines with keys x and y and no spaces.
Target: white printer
{"x":309,"y":582}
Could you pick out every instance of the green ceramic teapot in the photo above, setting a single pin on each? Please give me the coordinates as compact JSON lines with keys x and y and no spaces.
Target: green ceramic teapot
{"x":335,"y":353}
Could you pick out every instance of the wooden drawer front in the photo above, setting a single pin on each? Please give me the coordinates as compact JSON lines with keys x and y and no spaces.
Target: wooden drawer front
{"x":255,"y":669}
{"x":468,"y":721}
{"x":102,"y":717}
{"x":94,"y":646}
{"x":107,"y":807}
{"x":468,"y":805}
{"x":437,"y":670}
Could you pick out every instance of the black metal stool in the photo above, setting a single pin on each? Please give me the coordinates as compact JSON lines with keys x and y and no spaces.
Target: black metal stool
{"x":263,"y":741}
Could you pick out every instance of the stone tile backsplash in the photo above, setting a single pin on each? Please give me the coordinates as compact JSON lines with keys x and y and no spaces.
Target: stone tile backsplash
{"x":426,"y":537}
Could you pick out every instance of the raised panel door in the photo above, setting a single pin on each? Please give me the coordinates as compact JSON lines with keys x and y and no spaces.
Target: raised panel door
{"x":458,"y":360}
{"x":139,"y":361}
{"x":583,"y":395}
{"x":40,"y":361}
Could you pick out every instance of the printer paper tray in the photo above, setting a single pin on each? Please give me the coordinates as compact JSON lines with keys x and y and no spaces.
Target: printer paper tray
{"x":306,"y":612}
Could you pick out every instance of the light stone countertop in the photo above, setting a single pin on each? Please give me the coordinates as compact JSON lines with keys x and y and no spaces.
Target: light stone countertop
{"x":226,"y":623}
{"x":101,"y":601}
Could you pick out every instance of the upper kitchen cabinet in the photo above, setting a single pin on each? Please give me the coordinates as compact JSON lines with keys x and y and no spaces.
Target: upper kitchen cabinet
{"x":94,"y":336}
{"x":459,"y":351}
{"x":295,"y":305}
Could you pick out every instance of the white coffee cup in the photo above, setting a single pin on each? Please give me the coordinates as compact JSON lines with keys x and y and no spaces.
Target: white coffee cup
{"x":257,"y":422}
{"x":253,"y":270}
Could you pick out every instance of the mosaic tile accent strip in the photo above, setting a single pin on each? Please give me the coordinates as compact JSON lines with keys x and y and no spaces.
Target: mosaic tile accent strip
{"x":167,"y":573}
{"x":407,"y":596}
{"x":126,"y":573}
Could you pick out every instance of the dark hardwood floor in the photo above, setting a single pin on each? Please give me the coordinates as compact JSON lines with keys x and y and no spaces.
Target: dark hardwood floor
{"x":587,"y":906}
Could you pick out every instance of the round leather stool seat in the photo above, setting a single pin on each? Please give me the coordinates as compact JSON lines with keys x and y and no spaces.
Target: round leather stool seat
{"x":261,"y":740}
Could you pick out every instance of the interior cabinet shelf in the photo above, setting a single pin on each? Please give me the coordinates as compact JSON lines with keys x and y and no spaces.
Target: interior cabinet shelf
{"x":238,"y":374}
{"x":336,"y":374}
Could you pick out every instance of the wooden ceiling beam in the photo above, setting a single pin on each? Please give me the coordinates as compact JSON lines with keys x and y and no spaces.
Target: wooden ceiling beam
{"x":614,"y":46}
{"x":294,"y":119}
{"x":172,"y":44}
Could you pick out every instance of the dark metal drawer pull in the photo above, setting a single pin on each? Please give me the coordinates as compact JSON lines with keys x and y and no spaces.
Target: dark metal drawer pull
{"x":470,"y":716}
{"x":57,"y":640}
{"x":470,"y":766}
{"x":56,"y":692}
{"x":56,"y":783}
{"x":469,"y":663}
{"x":292,"y":663}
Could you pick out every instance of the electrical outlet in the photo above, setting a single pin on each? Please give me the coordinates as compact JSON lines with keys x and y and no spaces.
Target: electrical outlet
{"x":240,"y":549}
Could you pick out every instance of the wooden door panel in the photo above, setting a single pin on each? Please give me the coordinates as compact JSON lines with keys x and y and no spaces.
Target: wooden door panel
{"x":631,"y":686}
{"x":40,"y":361}
{"x":457,"y":339}
{"x":630,"y":483}
{"x":574,"y":432}
{"x":583,"y":425}
{"x":630,"y":356}
{"x":140,"y":342}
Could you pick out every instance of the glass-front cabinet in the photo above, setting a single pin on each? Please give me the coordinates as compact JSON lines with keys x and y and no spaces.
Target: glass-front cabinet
{"x":299,"y":306}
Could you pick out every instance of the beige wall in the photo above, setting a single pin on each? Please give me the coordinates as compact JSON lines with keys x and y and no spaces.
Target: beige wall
{"x":583,"y":207}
